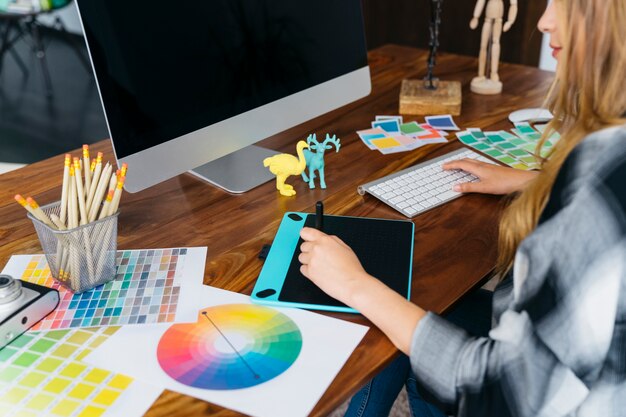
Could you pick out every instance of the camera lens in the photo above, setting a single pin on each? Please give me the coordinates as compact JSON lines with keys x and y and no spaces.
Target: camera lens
{"x":10,"y":289}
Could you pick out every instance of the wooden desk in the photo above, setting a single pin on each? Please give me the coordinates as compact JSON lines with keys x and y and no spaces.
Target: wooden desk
{"x":455,"y":245}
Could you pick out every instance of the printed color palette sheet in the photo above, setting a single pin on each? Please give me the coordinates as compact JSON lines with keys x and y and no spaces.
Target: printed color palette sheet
{"x":42,"y":373}
{"x":151,"y":286}
{"x":279,"y":347}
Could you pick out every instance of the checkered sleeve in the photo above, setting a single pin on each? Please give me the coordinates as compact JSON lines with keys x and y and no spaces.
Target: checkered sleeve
{"x":558,"y":348}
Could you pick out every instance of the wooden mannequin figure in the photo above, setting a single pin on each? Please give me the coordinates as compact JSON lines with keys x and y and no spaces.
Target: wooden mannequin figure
{"x":490,"y":39}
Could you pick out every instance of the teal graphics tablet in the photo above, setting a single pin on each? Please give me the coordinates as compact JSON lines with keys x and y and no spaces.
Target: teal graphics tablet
{"x":384,"y":247}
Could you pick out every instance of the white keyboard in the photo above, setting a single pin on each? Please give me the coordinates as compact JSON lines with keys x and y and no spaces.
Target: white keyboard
{"x":423,"y":186}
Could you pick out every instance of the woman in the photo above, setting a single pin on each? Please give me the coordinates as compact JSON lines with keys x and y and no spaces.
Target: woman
{"x":558,"y":346}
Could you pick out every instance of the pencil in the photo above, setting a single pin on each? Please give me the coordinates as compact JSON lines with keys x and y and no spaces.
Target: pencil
{"x":107,"y":203}
{"x":64,"y":189}
{"x":80,"y":193}
{"x":72,"y":211}
{"x":95,"y":180}
{"x":114,"y":178}
{"x":40,"y":214}
{"x":22,"y":202}
{"x":100,"y":190}
{"x":116,"y":197}
{"x":57,"y":222}
{"x":86,"y":166}
{"x":124,"y":169}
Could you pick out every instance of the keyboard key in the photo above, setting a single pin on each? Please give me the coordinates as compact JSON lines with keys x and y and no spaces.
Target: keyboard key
{"x":448,"y":195}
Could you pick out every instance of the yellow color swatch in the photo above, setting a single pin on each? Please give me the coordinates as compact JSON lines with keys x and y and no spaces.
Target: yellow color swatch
{"x":107,"y":397}
{"x":79,"y":338}
{"x":81,"y":391}
{"x":91,"y":411}
{"x":57,"y":385}
{"x":15,"y":395}
{"x":33,"y":379}
{"x":39,"y":402}
{"x":49,"y":365}
{"x":96,"y":375}
{"x":65,"y":407}
{"x":73,"y":370}
{"x":64,"y":351}
{"x":120,"y":382}
{"x":385,"y":143}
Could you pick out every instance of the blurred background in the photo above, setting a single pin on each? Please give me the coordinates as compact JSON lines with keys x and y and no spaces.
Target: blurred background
{"x":49,"y":101}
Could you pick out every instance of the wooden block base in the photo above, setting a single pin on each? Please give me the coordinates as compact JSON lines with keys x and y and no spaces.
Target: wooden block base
{"x":417,"y":100}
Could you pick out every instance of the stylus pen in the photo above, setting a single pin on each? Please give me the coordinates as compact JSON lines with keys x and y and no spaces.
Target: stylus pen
{"x":319,"y":216}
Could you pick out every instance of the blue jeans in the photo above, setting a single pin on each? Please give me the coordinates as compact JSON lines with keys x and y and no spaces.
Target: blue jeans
{"x":376,"y":398}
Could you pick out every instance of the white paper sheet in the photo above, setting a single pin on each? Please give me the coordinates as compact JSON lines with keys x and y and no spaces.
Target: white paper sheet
{"x":327,"y":344}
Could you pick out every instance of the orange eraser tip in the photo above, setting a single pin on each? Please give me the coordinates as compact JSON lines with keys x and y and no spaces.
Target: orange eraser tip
{"x":120,"y":182}
{"x":110,"y":195}
{"x":31,"y":202}
{"x":118,"y":172}
{"x":20,"y":199}
{"x":100,"y":155}
{"x":68,"y":156}
{"x":86,"y":146}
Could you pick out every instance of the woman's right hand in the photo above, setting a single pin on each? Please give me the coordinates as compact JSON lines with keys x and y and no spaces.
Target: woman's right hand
{"x":493,"y":179}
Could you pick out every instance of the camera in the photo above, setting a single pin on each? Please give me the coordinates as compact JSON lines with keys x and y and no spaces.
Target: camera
{"x":22,"y":304}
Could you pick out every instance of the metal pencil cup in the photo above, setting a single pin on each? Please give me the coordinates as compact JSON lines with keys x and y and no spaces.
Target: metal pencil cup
{"x":81,"y":258}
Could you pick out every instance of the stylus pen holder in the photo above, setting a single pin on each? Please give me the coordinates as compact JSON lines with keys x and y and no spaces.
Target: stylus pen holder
{"x":81,"y":258}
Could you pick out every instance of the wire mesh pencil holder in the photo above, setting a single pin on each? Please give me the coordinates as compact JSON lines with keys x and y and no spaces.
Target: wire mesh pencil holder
{"x":81,"y":258}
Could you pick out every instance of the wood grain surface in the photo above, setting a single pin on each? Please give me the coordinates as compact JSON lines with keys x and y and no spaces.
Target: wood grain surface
{"x":455,"y":244}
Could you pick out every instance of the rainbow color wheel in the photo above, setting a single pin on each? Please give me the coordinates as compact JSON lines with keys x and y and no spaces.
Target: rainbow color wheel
{"x":231,"y":346}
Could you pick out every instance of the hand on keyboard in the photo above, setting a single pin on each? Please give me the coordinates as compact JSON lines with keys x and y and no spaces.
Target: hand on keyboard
{"x":493,"y":179}
{"x":424,"y":186}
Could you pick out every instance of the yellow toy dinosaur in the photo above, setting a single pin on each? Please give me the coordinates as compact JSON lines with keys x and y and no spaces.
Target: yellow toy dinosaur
{"x":285,"y":165}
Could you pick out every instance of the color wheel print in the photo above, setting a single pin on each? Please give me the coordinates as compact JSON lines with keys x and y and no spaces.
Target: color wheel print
{"x":231,"y":346}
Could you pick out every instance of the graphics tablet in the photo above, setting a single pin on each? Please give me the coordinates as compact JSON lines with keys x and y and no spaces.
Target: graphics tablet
{"x":384,"y":247}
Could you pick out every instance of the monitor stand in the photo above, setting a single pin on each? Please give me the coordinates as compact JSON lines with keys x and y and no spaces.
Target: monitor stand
{"x":239,"y":171}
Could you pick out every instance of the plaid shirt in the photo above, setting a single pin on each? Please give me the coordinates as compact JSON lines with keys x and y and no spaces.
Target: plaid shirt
{"x":558,"y":347}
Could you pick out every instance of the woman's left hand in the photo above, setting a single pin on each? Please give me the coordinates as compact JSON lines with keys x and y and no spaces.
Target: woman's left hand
{"x":331,"y":264}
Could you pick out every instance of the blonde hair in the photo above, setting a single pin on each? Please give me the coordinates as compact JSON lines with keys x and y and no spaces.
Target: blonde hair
{"x":588,"y":95}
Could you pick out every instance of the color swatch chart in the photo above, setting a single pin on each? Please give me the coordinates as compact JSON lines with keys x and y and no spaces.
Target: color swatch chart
{"x":41,"y":373}
{"x":231,"y":346}
{"x":516,"y":151}
{"x":390,"y":134}
{"x":147,"y":289}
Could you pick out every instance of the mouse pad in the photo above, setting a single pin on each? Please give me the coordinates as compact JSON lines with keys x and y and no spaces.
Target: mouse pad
{"x":384,"y":247}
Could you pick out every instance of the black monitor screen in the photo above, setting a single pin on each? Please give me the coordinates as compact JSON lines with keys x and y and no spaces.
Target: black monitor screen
{"x":166,"y":69}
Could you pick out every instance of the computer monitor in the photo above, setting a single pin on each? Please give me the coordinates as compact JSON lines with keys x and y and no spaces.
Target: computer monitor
{"x":189,"y":82}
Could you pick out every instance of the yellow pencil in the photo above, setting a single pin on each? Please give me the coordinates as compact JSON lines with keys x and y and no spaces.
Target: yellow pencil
{"x":86,"y":165}
{"x":113,"y":180}
{"x":64,"y":190}
{"x":40,"y":214}
{"x":72,"y":210}
{"x":107,"y":204}
{"x":116,"y":197}
{"x":124,"y":169}
{"x":99,"y":194}
{"x":22,"y":202}
{"x":94,"y":180}
{"x":80,"y":192}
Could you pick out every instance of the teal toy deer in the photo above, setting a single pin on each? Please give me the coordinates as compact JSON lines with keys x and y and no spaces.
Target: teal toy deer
{"x":315,"y":160}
